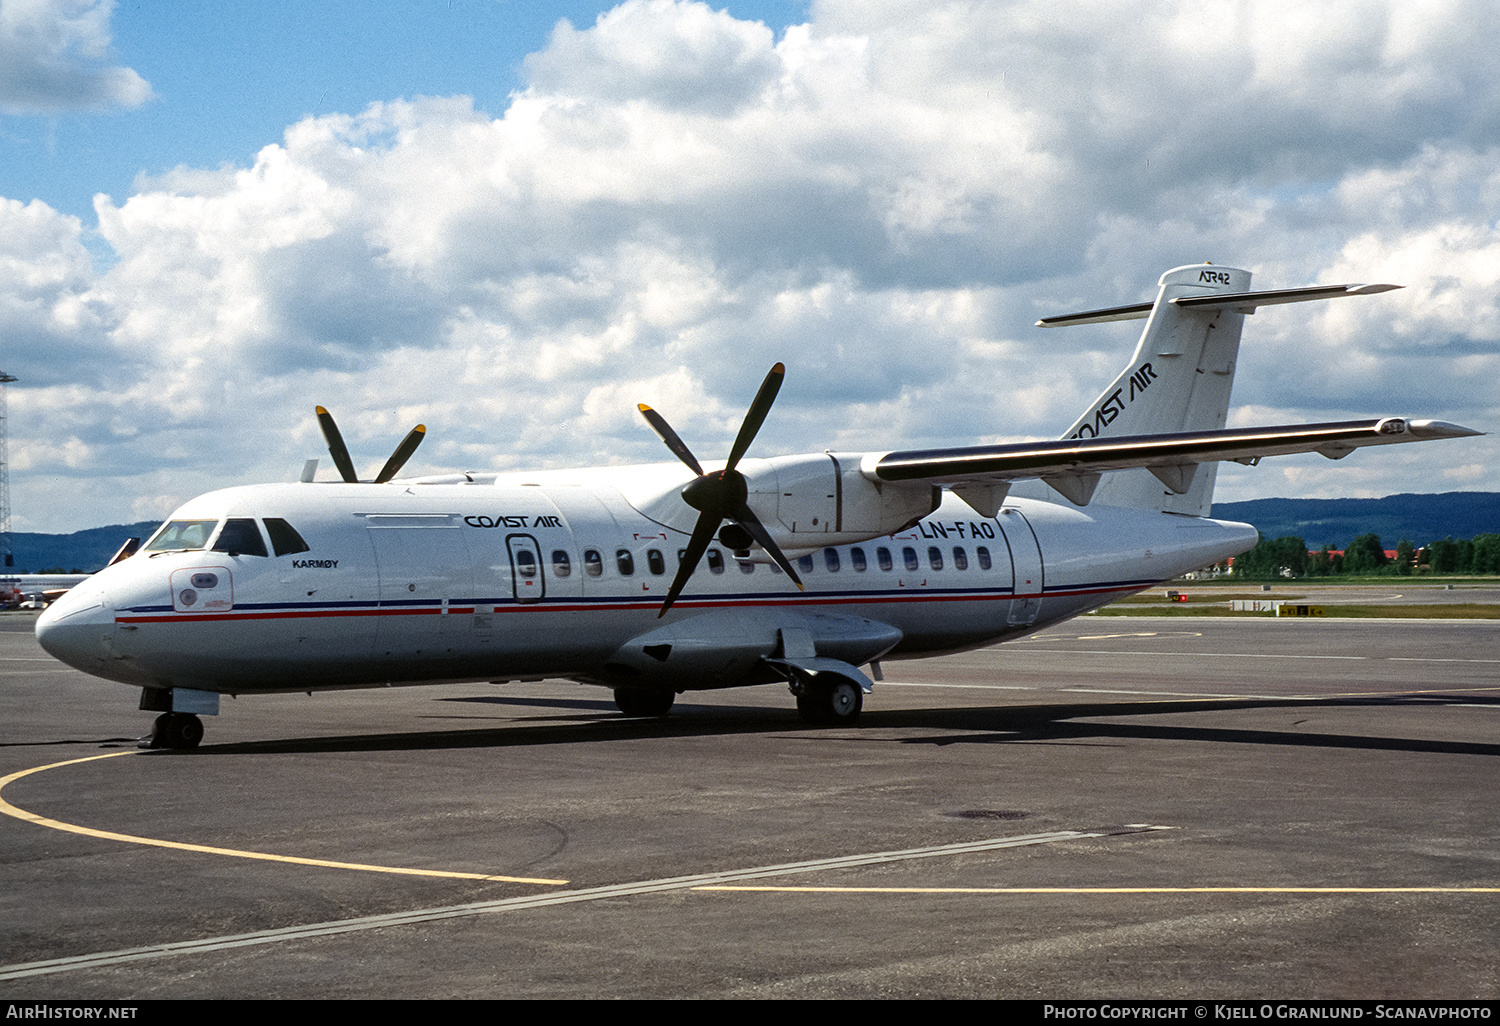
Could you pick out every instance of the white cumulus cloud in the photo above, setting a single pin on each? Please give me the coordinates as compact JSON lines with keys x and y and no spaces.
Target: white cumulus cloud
{"x":53,"y":56}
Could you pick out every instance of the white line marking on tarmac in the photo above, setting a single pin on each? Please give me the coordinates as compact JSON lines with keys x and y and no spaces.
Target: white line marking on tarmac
{"x":1190,"y":694}
{"x":1097,"y":691}
{"x":1436,"y":659}
{"x":428,"y":915}
{"x":1216,"y":655}
{"x":972,"y":687}
{"x":1258,"y":655}
{"x":1110,"y":890}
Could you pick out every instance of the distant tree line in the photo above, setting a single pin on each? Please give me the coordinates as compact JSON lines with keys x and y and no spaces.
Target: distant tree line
{"x":1289,"y":557}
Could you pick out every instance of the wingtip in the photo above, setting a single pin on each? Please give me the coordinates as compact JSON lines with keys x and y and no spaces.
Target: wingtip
{"x":1441,"y":429}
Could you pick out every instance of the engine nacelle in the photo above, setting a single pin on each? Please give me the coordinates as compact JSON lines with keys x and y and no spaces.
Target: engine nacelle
{"x":805,"y":502}
{"x":819,"y":499}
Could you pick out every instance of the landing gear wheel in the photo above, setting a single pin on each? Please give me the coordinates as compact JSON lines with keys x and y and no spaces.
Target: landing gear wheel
{"x":830,"y":705}
{"x":176,"y":730}
{"x":644,"y":701}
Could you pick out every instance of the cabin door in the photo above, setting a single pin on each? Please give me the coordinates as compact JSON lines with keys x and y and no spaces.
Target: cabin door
{"x":1026,"y":567}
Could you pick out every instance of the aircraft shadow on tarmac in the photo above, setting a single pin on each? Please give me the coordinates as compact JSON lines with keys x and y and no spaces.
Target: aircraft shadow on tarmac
{"x":1055,"y":723}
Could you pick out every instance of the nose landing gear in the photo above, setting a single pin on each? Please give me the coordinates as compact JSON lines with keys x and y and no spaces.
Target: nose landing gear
{"x":176,"y":730}
{"x":178,"y":726}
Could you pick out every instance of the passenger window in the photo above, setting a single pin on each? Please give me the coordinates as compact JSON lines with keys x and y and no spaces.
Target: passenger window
{"x":883,"y":557}
{"x":526,"y":564}
{"x":910,"y":555}
{"x":857,"y":559}
{"x":240,"y":537}
{"x":593,"y":563}
{"x":831,"y":560}
{"x":284,"y":537}
{"x":805,"y":564}
{"x":960,"y":558}
{"x":984,"y":557}
{"x":935,"y":557}
{"x":625,"y":561}
{"x":746,"y":567}
{"x":655,"y":562}
{"x":562,"y":566}
{"x":715,"y":561}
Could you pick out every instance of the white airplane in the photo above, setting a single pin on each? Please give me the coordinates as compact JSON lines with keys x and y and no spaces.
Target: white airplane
{"x":17,"y":588}
{"x":630,"y":577}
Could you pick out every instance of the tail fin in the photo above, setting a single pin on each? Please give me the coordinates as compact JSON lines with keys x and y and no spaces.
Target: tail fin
{"x":1178,"y":380}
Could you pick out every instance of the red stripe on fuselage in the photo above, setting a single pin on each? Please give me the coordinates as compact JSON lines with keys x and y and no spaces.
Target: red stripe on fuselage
{"x":575,"y":607}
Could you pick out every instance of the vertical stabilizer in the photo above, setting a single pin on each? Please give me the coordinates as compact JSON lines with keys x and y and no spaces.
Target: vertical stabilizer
{"x":1178,"y":380}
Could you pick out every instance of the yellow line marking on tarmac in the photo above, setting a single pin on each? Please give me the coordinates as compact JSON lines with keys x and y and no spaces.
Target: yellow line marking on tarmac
{"x":1109,"y":890}
{"x":30,"y":817}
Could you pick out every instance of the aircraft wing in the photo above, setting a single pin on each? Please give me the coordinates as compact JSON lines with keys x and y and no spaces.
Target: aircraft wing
{"x":980,"y":474}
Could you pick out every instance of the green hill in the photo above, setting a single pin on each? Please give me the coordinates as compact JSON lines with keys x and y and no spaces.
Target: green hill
{"x":1336,"y":522}
{"x":85,"y":551}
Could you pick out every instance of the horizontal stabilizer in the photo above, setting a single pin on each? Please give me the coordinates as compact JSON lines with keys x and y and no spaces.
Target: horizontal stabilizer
{"x":1240,"y":302}
{"x":1167,"y":455}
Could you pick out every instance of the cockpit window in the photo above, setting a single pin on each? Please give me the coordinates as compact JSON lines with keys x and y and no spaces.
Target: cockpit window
{"x":284,"y":537}
{"x":181,"y":534}
{"x":240,"y":537}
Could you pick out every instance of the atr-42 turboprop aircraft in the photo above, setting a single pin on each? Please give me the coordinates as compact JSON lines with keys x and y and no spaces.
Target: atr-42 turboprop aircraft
{"x":661,"y":579}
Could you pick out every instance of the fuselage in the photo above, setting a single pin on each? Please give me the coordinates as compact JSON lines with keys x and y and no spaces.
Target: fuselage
{"x":303,"y":587}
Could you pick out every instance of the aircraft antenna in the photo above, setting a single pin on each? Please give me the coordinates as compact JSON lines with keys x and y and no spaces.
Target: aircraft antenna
{"x":7,"y":554}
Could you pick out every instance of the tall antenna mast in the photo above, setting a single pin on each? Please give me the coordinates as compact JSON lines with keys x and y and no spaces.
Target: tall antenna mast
{"x":7,"y":554}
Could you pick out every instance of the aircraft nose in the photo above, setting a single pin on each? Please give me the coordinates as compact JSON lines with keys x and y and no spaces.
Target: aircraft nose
{"x":77,"y":627}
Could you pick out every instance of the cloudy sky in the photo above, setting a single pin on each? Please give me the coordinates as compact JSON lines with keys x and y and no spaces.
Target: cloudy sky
{"x":515,"y":221}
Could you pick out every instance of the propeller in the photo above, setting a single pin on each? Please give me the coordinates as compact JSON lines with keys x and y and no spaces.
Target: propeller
{"x":340,"y":452}
{"x":722,"y":495}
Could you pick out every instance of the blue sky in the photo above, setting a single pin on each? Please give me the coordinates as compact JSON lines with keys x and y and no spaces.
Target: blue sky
{"x":513,"y":228}
{"x":228,"y":78}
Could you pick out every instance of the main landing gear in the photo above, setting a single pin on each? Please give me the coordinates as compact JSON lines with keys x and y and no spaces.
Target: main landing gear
{"x":176,"y":730}
{"x":644,"y":701}
{"x":825,"y":704}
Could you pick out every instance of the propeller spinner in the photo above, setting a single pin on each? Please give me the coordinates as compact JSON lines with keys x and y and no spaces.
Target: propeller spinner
{"x":722,"y":495}
{"x":340,"y":452}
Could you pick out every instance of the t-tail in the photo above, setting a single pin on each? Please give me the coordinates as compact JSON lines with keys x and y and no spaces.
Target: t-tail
{"x":1178,"y":380}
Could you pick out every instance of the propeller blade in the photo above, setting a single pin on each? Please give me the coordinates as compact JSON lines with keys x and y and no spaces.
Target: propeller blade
{"x":336,"y":447}
{"x":402,"y":454}
{"x":666,"y":434}
{"x":721,"y":495}
{"x":703,"y":533}
{"x":756,"y":415}
{"x":746,"y":519}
